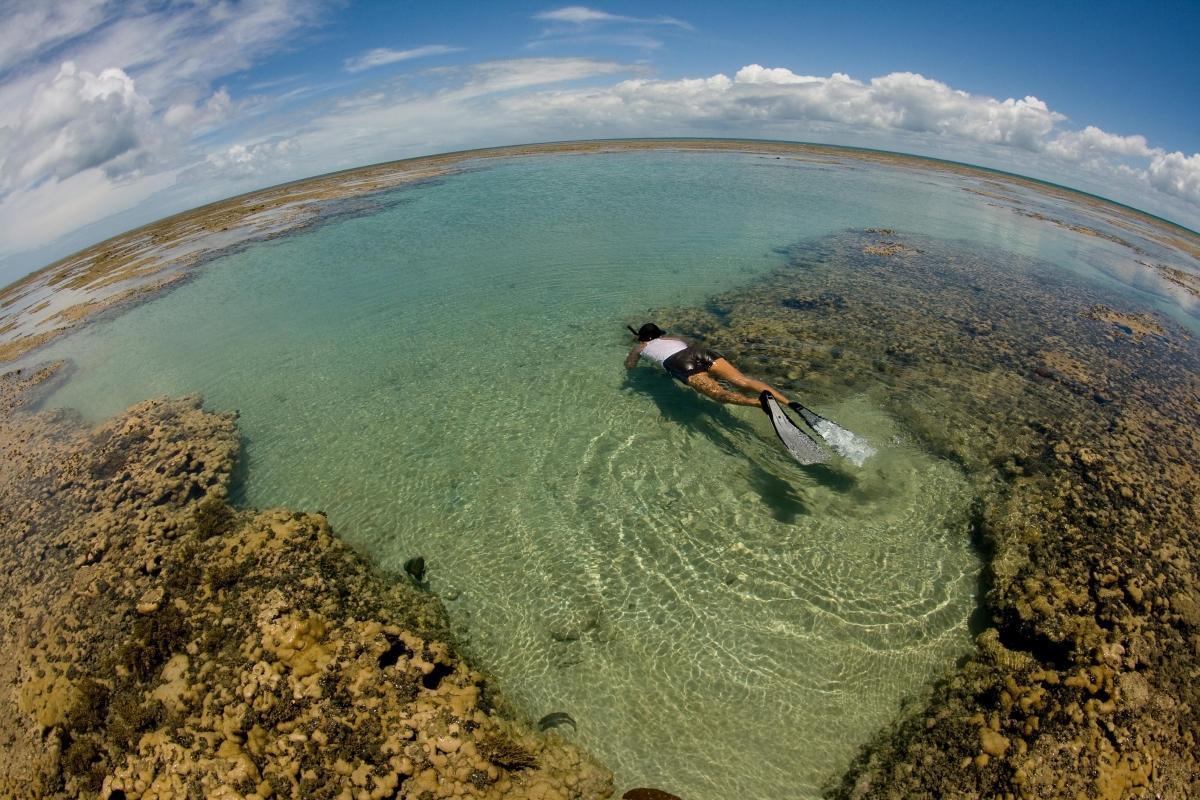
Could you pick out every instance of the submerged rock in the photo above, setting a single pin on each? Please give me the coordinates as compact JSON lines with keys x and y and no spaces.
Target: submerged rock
{"x":556,"y":718}
{"x":415,"y":567}
{"x":648,"y":794}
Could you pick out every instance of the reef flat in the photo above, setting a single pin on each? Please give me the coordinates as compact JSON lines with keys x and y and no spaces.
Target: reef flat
{"x":161,"y":644}
{"x":1076,"y":415}
{"x":138,"y":265}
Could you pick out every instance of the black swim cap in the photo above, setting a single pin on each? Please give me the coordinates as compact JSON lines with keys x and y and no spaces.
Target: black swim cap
{"x":647,"y":332}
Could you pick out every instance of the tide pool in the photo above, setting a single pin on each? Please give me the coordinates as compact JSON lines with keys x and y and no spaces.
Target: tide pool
{"x":443,"y":378}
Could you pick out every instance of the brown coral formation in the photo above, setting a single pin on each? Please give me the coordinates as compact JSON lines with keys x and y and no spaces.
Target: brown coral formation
{"x":1135,"y":325}
{"x":1084,"y":449}
{"x":160,"y":644}
{"x":882,"y":242}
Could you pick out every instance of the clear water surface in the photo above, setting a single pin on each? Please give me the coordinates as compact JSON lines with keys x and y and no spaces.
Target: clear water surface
{"x":443,"y":377}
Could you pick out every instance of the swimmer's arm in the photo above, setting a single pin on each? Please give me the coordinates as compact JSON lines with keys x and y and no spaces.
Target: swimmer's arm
{"x":631,"y":360}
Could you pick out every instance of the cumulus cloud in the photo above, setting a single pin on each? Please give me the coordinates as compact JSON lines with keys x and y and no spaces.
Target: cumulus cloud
{"x":1176,"y":174}
{"x":95,"y":130}
{"x":935,"y":118}
{"x":242,"y":160}
{"x":79,"y":120}
{"x":900,"y":101}
{"x":197,"y":117}
{"x":537,"y":99}
{"x":382,"y":55}
{"x":1092,"y":142}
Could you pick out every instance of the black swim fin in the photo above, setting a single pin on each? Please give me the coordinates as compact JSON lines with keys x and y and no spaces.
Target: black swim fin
{"x":802,"y":446}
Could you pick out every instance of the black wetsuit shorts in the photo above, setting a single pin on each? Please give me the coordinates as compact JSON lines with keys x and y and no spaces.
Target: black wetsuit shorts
{"x":690,"y":361}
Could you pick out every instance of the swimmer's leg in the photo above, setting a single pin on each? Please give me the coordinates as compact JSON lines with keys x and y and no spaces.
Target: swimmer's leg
{"x":721,"y":368}
{"x":703,"y":382}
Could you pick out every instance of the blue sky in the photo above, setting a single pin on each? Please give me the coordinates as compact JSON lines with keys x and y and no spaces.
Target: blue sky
{"x":113,"y":114}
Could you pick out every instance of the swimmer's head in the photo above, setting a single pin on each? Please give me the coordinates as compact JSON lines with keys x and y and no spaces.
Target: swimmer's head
{"x":647,"y":332}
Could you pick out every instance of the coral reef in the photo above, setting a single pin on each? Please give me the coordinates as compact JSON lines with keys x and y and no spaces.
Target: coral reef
{"x":160,"y":644}
{"x":1077,"y":418}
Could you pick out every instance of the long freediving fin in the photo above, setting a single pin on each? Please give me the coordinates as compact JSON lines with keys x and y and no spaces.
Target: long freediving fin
{"x":847,"y":443}
{"x":809,"y":416}
{"x":802,"y":446}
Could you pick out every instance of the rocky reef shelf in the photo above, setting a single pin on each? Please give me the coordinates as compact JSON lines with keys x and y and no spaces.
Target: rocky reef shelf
{"x":161,"y":644}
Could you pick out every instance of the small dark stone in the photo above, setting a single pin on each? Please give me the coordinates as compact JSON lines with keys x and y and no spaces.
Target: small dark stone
{"x":415,"y":567}
{"x":648,"y":794}
{"x":556,"y":718}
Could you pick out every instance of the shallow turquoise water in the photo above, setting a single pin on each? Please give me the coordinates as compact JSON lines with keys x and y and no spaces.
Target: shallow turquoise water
{"x":443,"y":377}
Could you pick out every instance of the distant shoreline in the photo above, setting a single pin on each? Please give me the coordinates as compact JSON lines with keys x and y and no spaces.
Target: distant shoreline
{"x":135,"y":266}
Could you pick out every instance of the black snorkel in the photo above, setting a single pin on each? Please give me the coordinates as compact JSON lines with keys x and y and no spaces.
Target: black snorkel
{"x":631,"y":330}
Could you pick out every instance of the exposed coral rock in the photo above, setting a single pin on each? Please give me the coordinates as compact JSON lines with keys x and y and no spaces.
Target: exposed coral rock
{"x":164,"y":645}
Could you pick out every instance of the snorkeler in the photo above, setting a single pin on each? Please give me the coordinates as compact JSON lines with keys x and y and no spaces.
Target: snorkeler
{"x":698,"y":367}
{"x":701,"y":369}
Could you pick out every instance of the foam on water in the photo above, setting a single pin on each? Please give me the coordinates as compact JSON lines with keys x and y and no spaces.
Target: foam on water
{"x":444,"y":379}
{"x":850,"y":446}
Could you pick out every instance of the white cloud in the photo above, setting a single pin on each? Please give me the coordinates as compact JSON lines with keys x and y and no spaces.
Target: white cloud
{"x":1176,"y":174}
{"x":381,"y":55}
{"x":100,"y":102}
{"x":112,"y":125}
{"x":33,"y":28}
{"x":77,"y":121}
{"x":382,"y":124}
{"x":582,"y":15}
{"x":201,"y":116}
{"x":900,"y":110}
{"x":636,"y":40}
{"x":1092,"y":142}
{"x":241,"y":160}
{"x":36,"y":216}
{"x":520,"y":73}
{"x":899,"y":101}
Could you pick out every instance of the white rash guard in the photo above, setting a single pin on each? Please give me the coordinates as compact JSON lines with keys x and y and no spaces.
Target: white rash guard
{"x":662,"y":348}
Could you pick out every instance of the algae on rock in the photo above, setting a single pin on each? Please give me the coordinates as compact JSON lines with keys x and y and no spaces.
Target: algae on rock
{"x":165,"y":645}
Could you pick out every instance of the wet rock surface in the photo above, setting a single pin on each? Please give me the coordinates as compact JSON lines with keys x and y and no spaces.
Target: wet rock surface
{"x":1077,"y":417}
{"x":160,"y":644}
